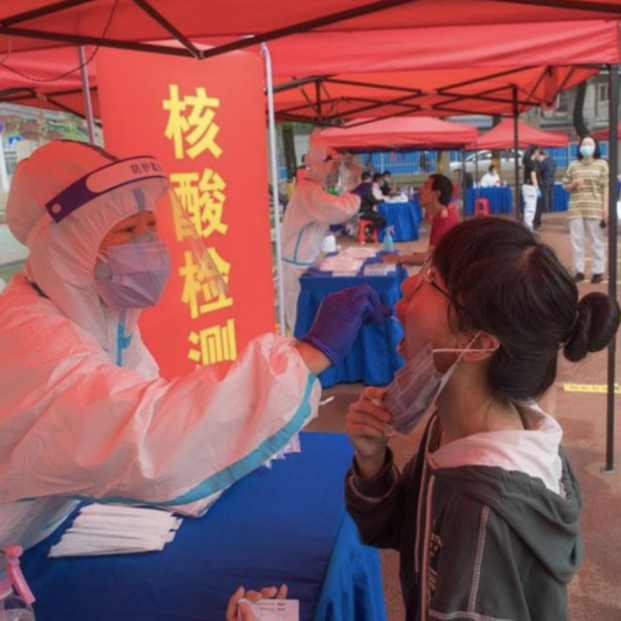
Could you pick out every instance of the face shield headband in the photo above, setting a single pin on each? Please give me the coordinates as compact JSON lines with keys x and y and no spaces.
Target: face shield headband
{"x":102,"y":180}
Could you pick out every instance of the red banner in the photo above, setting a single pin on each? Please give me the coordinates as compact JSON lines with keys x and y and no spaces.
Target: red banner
{"x":205,"y":121}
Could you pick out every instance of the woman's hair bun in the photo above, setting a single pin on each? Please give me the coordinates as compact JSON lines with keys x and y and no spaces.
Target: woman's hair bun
{"x":596,"y":326}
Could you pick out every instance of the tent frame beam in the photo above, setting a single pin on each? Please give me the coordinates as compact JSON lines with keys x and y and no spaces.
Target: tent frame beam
{"x":238,"y":44}
{"x":384,"y":87}
{"x":177,"y":34}
{"x":485,"y":78}
{"x":88,"y":40}
{"x":43,"y":11}
{"x":577,"y":5}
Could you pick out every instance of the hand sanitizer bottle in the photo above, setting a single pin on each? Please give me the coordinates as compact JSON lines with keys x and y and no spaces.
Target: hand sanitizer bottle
{"x":14,"y":606}
{"x":389,"y":244}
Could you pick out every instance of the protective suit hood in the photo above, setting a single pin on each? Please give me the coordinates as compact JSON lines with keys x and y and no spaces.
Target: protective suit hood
{"x":319,"y":159}
{"x":66,"y":174}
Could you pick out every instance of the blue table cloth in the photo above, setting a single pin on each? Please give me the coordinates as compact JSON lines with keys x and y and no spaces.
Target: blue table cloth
{"x":500,"y":199}
{"x":373,"y":359}
{"x":285,"y":524}
{"x":403,"y":217}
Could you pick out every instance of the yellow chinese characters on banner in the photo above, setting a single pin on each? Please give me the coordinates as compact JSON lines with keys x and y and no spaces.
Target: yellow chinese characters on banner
{"x":206,"y":123}
{"x":191,"y":123}
{"x":192,"y":129}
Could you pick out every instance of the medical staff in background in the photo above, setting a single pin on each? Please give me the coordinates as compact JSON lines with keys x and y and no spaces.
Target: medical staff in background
{"x":307,"y":220}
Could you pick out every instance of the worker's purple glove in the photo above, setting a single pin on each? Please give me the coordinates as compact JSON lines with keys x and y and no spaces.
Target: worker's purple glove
{"x":339,"y":318}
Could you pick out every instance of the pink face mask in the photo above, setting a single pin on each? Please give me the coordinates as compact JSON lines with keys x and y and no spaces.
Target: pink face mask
{"x":133,"y":275}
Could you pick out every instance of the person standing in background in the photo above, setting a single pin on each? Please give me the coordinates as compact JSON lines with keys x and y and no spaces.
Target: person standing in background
{"x":547,"y":170}
{"x":530,"y":188}
{"x":435,"y":198}
{"x":586,"y":179}
{"x":491,"y":178}
{"x":386,"y":185}
{"x":378,"y":179}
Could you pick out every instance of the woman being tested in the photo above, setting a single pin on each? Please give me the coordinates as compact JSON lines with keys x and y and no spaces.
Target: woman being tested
{"x":486,"y":515}
{"x":84,"y":413}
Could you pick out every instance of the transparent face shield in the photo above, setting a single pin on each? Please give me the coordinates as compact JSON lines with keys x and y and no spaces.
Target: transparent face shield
{"x":151,"y":227}
{"x":185,"y":230}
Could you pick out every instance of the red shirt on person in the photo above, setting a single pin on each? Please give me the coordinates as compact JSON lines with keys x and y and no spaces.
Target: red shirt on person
{"x":441,"y":223}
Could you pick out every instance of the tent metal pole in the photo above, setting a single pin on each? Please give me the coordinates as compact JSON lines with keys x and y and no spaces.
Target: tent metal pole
{"x":274,"y":167}
{"x":462,"y":152}
{"x":516,"y":164}
{"x":86,"y":94}
{"x":613,"y":163}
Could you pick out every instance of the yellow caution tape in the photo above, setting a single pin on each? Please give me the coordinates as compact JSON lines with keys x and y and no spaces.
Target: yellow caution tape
{"x":593,"y":388}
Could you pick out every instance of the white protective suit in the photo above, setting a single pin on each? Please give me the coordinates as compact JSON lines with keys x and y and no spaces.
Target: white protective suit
{"x":75,"y":425}
{"x":309,"y":214}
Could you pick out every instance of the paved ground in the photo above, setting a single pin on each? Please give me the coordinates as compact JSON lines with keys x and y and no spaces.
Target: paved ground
{"x":595,"y":593}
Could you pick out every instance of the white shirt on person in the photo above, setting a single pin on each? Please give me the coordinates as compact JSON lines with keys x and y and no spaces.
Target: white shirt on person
{"x":489,"y":180}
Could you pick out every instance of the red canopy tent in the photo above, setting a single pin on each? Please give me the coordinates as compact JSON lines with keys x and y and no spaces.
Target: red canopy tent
{"x":400,"y":133}
{"x":34,"y":24}
{"x":502,"y":137}
{"x":383,"y":73}
{"x":326,"y":76}
{"x":604,"y":134}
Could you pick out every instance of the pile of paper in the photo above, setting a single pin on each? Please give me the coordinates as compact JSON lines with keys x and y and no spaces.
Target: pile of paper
{"x":401,"y":198}
{"x":379,"y":269}
{"x":341,"y":265}
{"x":112,"y":529}
{"x":293,"y":446}
{"x":355,"y":252}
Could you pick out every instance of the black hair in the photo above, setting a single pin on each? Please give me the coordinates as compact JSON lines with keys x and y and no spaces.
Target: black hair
{"x":377,"y":176}
{"x":597,"y":154}
{"x":386,"y":172}
{"x":513,"y":287}
{"x":492,"y":167}
{"x":444,"y":185}
{"x":528,"y":154}
{"x":365,"y":175}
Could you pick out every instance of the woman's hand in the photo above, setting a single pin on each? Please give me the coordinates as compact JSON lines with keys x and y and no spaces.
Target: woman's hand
{"x":368,"y":427}
{"x":236,"y":610}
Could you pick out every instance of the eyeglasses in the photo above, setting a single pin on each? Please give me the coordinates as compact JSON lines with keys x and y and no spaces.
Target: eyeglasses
{"x":427,"y":274}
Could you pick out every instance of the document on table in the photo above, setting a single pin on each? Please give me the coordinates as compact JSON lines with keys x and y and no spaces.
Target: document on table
{"x":113,"y":529}
{"x":274,"y":609}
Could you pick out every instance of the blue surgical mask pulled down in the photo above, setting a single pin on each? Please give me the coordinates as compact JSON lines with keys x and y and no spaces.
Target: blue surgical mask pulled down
{"x":416,"y":387}
{"x":587,"y":150}
{"x":133,"y":275}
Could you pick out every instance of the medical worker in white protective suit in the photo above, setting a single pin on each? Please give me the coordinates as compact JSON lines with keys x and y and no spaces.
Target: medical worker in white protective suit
{"x":307,"y":220}
{"x":83,"y":412}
